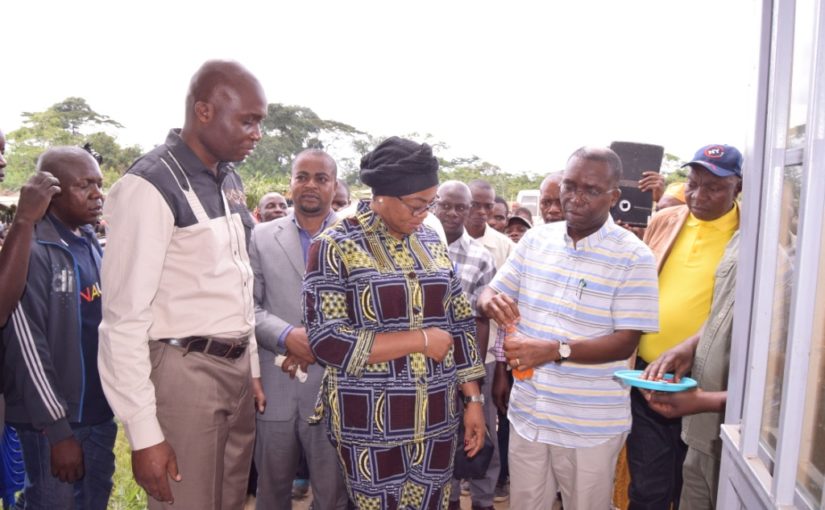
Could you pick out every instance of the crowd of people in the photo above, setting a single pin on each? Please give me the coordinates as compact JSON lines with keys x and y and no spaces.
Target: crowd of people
{"x":367,"y":346}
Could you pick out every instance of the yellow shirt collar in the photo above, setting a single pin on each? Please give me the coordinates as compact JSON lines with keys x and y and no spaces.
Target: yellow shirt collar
{"x":725,"y":223}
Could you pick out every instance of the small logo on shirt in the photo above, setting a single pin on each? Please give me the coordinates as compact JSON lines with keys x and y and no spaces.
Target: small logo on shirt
{"x":235,"y":197}
{"x":91,"y":292}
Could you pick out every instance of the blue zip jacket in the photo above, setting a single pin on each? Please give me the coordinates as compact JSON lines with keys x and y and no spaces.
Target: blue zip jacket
{"x":43,"y":372}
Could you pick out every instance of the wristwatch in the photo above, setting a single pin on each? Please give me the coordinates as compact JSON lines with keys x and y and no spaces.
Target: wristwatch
{"x":564,"y":351}
{"x":474,"y":398}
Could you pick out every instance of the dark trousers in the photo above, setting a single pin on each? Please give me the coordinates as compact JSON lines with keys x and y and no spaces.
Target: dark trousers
{"x":44,"y":491}
{"x":655,"y":454}
{"x":504,"y":441}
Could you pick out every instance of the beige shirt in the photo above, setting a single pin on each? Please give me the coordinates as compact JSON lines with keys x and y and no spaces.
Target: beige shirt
{"x":499,"y":245}
{"x":165,"y":281}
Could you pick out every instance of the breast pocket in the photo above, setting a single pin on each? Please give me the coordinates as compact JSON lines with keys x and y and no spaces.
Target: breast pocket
{"x":591,"y":301}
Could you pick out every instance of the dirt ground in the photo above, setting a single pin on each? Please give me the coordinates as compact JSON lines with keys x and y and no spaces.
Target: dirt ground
{"x":303,"y":504}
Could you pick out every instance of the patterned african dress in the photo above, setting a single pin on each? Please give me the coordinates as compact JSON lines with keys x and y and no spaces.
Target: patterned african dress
{"x":393,"y":423}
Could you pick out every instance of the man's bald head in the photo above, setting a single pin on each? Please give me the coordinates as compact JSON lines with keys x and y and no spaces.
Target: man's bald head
{"x":603,"y":155}
{"x":272,"y":195}
{"x":452,"y":208}
{"x":80,"y":200}
{"x":213,"y":77}
{"x":482,"y":185}
{"x":225,"y":106}
{"x":456,"y":188}
{"x":317,"y":153}
{"x":63,"y":162}
{"x":272,"y":206}
{"x":552,"y":178}
{"x":550,"y":198}
{"x":483,"y":200}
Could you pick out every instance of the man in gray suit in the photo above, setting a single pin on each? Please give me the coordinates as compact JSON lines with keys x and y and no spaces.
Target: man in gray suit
{"x":277,"y":253}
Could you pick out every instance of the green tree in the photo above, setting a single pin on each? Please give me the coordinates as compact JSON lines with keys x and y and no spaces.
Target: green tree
{"x":506,"y":184}
{"x":287,"y":130}
{"x":74,"y":113}
{"x":65,"y":123}
{"x":116,"y":159}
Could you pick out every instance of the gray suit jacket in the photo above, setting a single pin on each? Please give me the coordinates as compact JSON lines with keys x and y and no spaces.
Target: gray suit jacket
{"x":278,"y":264}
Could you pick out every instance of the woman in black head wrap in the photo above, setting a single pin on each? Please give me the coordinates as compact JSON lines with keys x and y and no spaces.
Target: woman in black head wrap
{"x":386,"y":315}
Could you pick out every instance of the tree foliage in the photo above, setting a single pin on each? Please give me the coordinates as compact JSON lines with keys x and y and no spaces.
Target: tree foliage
{"x":286,"y":131}
{"x":69,"y":122}
{"x":72,"y":114}
{"x":468,"y":168}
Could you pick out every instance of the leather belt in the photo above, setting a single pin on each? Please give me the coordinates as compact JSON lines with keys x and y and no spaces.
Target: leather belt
{"x":229,"y":348}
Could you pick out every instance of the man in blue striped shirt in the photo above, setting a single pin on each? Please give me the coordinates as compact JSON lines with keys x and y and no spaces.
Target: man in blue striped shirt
{"x":579,"y":293}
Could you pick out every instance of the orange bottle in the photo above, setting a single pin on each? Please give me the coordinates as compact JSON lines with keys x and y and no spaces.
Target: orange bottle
{"x":520,"y":374}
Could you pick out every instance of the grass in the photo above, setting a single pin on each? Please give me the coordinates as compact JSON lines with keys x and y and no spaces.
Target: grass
{"x":126,"y":494}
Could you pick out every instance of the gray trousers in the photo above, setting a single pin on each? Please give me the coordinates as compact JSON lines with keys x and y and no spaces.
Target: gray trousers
{"x":278,"y":449}
{"x":700,"y":481}
{"x":483,"y":490}
{"x":207,"y":414}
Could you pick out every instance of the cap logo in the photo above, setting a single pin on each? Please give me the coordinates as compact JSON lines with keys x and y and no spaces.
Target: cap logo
{"x":715,"y":152}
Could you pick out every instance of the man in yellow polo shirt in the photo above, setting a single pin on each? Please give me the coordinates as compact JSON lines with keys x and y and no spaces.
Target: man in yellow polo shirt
{"x":688,"y":242}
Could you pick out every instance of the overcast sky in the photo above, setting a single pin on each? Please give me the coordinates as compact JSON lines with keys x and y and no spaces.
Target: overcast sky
{"x":520,"y":84}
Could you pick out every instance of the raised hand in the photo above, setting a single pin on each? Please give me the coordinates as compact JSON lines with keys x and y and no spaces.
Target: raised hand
{"x":35,"y":196}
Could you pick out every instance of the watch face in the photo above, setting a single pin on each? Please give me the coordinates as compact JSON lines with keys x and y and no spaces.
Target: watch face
{"x":564,"y":350}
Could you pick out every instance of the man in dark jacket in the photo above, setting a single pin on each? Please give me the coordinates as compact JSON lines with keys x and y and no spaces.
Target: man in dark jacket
{"x":53,"y":392}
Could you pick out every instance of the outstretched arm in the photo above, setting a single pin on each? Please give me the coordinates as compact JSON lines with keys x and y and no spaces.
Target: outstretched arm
{"x":525,"y":352}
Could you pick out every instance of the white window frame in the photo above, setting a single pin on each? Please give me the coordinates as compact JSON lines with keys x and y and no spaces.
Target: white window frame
{"x":746,"y":480}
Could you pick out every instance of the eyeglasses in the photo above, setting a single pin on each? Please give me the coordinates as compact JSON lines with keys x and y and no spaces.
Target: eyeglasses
{"x":417,"y":210}
{"x":587,"y":193}
{"x":446,"y":207}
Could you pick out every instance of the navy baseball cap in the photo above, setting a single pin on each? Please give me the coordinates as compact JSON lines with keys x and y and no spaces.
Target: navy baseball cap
{"x":721,"y":160}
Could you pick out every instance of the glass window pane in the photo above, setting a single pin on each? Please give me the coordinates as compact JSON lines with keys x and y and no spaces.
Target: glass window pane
{"x":800,"y":81}
{"x":811,"y":473}
{"x":785,"y":276}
